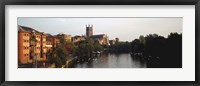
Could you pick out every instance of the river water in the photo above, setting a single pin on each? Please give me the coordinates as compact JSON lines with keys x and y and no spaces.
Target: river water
{"x":108,"y":60}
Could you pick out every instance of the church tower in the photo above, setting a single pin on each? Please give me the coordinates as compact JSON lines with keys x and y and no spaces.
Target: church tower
{"x":89,"y":30}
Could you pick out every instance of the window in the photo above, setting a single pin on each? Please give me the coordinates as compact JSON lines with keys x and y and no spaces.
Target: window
{"x":25,"y":47}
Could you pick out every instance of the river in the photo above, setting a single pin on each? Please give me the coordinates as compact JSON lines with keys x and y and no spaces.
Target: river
{"x":108,"y":60}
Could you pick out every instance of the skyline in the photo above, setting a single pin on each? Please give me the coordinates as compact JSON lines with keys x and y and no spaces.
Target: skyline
{"x":126,"y":29}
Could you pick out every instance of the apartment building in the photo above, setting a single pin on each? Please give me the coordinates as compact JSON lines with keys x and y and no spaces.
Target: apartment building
{"x":31,"y":45}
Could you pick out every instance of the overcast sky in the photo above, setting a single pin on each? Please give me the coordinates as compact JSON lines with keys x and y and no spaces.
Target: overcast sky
{"x":126,"y":29}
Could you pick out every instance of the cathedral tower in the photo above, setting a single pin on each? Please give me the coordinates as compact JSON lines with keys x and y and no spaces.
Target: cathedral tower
{"x":89,"y":30}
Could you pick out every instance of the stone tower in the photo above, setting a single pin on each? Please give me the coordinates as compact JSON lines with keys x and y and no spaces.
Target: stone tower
{"x":89,"y":30}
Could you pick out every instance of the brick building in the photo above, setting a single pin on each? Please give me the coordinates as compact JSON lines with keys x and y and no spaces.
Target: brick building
{"x":31,"y":45}
{"x":51,"y":41}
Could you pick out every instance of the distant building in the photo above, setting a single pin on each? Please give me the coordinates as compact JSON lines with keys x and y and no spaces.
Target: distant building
{"x":77,"y":39}
{"x":31,"y":44}
{"x":51,"y":41}
{"x":101,"y":38}
{"x":89,"y":30}
{"x":112,"y":42}
{"x":67,"y":38}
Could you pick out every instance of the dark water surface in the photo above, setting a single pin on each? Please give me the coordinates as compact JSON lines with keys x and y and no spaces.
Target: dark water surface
{"x":108,"y":60}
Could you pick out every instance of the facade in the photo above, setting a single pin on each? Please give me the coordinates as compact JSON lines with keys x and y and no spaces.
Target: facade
{"x":23,"y":47}
{"x":43,"y":46}
{"x":31,"y":45}
{"x":101,"y":38}
{"x":89,"y":30}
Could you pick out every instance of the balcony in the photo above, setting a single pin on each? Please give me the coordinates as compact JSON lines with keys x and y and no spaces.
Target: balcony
{"x":33,"y":43}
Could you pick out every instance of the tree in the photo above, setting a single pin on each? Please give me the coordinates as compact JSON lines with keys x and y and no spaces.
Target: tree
{"x":120,"y":47}
{"x":116,"y":40}
{"x":58,"y":55}
{"x":142,"y":39}
{"x":160,"y":51}
{"x":137,"y":46}
{"x":85,"y":48}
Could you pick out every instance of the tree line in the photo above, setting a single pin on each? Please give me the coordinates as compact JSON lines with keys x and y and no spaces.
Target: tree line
{"x":159,"y":51}
{"x":82,"y":50}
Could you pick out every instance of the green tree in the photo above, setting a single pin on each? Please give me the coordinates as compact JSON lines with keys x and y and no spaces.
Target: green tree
{"x":85,"y":48}
{"x":142,"y":39}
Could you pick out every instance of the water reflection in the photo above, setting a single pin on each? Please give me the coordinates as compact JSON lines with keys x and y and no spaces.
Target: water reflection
{"x":108,"y":60}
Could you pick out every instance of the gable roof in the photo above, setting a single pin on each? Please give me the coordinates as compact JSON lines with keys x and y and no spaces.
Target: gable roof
{"x":48,"y":35}
{"x":60,"y":34}
{"x":26,"y":29}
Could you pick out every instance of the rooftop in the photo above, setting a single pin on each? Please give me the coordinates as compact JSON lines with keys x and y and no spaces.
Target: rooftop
{"x":26,"y":29}
{"x":97,"y":36}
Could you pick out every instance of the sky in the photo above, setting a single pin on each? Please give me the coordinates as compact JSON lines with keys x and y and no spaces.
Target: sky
{"x":126,"y":29}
